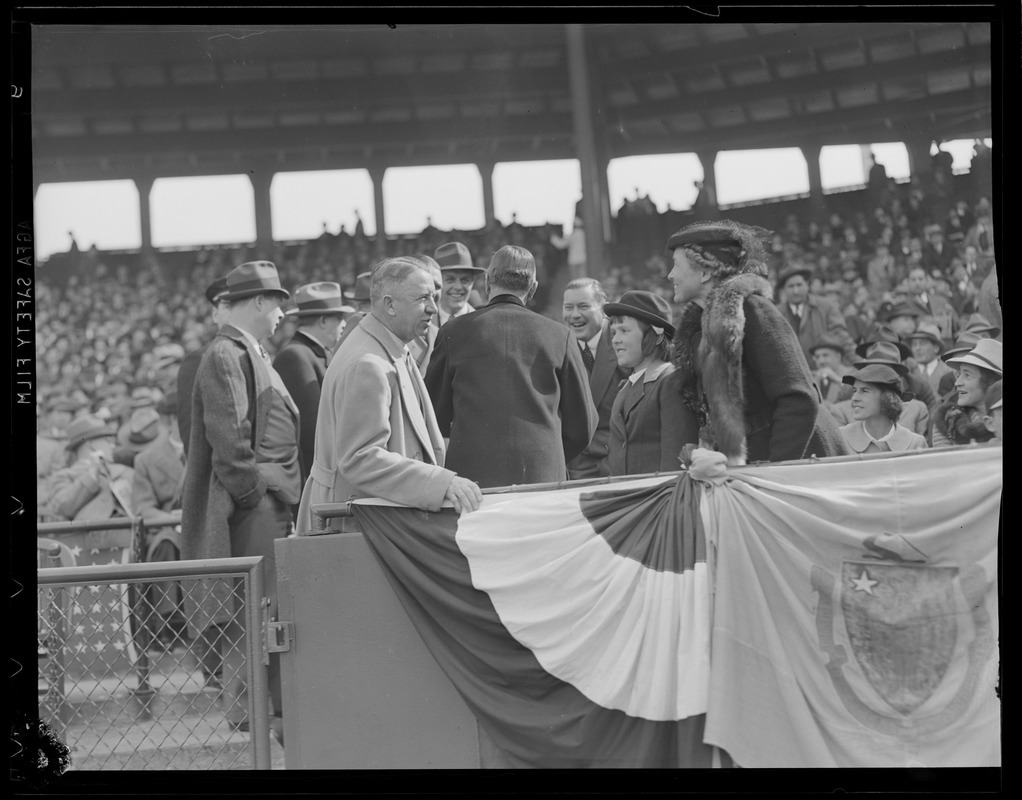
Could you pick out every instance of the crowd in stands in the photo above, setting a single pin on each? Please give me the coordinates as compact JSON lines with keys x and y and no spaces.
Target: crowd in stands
{"x":105,"y":321}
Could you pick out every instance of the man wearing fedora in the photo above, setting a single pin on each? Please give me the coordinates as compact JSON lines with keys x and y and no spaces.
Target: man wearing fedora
{"x":190,"y":364}
{"x":509,"y":386}
{"x":94,"y":486}
{"x":582,"y":311}
{"x":934,"y":306}
{"x":302,"y":362}
{"x":376,"y":435}
{"x":810,"y":316}
{"x":927,"y":345}
{"x":242,"y":474}
{"x":828,"y":370}
{"x":459,"y":273}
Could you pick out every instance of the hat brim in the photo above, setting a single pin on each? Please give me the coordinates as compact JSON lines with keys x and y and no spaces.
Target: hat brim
{"x":108,"y":430}
{"x":318,"y":312}
{"x":462,"y":267}
{"x":903,"y":350}
{"x":969,"y":358}
{"x":619,"y":310}
{"x":787,"y":276}
{"x":991,"y":330}
{"x":231,"y":296}
{"x":901,"y":369}
{"x":930,"y":338}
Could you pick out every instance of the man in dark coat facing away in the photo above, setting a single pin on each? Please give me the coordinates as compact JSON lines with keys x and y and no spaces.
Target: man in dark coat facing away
{"x":302,"y":362}
{"x":509,"y":386}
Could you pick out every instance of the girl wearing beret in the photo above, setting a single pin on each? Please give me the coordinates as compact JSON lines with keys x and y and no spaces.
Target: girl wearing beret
{"x":876,"y":407}
{"x":649,"y":423}
{"x":742,"y":370}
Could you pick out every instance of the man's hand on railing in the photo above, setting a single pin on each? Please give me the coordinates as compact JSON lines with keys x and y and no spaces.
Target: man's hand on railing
{"x":464,"y":494}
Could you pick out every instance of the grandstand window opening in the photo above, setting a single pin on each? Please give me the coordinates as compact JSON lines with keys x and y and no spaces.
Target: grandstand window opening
{"x":306,"y":205}
{"x":535,"y":193}
{"x":657,"y":183}
{"x":962,"y":152}
{"x":755,"y":175}
{"x":216,"y":209}
{"x":86,"y":214}
{"x":842,"y":168}
{"x":447,"y":197}
{"x":894,"y":158}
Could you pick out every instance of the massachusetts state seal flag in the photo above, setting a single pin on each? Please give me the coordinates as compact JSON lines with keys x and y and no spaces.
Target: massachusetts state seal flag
{"x":846,"y":615}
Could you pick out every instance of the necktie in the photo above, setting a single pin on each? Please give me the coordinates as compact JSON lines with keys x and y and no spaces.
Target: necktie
{"x":797,"y":311}
{"x":587,"y":357}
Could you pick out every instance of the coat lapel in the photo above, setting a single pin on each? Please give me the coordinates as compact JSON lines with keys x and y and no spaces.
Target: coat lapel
{"x":604,"y":368}
{"x":409,"y":398}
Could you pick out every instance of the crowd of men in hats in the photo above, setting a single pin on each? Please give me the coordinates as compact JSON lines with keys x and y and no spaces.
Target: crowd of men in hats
{"x":434,"y":377}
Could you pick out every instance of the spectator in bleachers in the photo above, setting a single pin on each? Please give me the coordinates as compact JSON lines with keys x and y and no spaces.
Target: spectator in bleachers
{"x":811,"y":317}
{"x":876,"y":408}
{"x":93,"y":487}
{"x":960,"y":417}
{"x":995,"y":410}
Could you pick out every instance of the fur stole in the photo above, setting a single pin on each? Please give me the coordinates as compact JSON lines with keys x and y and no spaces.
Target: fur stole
{"x":718,"y":360}
{"x":961,"y":425}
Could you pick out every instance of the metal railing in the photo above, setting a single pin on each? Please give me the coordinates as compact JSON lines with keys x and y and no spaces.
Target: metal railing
{"x":126,"y":688}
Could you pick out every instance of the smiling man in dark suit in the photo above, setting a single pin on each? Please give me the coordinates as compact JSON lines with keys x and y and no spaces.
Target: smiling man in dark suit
{"x":509,"y":386}
{"x":582,"y":312}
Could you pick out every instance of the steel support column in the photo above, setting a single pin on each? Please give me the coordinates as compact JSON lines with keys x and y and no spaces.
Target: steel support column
{"x":486,"y":173}
{"x":144,"y":184}
{"x":380,"y":240}
{"x":261,"y":177}
{"x":811,"y":153}
{"x":585,"y":142}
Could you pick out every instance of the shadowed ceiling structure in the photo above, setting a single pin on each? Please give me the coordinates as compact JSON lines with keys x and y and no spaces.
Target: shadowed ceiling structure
{"x":123,"y":101}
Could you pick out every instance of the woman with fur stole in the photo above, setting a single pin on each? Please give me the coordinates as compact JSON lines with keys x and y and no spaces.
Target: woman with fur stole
{"x":743,"y":372}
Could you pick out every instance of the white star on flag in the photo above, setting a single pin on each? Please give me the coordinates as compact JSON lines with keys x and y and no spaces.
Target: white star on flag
{"x":80,"y":629}
{"x":94,"y":588}
{"x":94,"y":551}
{"x":76,"y":551}
{"x":119,"y":646}
{"x":863,"y":583}
{"x":98,"y":647}
{"x":113,"y":561}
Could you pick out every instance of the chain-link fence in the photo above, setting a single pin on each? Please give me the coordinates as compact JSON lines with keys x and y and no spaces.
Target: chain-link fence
{"x":128,"y":683}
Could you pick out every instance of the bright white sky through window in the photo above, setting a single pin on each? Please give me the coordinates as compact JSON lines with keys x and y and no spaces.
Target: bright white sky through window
{"x":539,"y":192}
{"x":450,"y":195}
{"x":744,"y":175}
{"x":190,"y":212}
{"x":101,"y":213}
{"x":301,"y":202}
{"x":668,"y":180}
{"x":219,"y":209}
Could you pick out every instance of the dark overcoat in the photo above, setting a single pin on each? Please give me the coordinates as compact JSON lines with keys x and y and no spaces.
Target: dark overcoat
{"x":649,"y":425}
{"x":301,"y":364}
{"x":604,"y":382}
{"x":231,"y":403}
{"x":762,"y":401}
{"x":511,"y":391}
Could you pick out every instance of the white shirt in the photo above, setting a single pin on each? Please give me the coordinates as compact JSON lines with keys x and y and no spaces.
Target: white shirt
{"x":883,"y":439}
{"x":635,"y":376}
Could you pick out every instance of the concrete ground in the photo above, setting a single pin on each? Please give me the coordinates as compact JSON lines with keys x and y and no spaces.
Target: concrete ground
{"x":180,"y":726}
